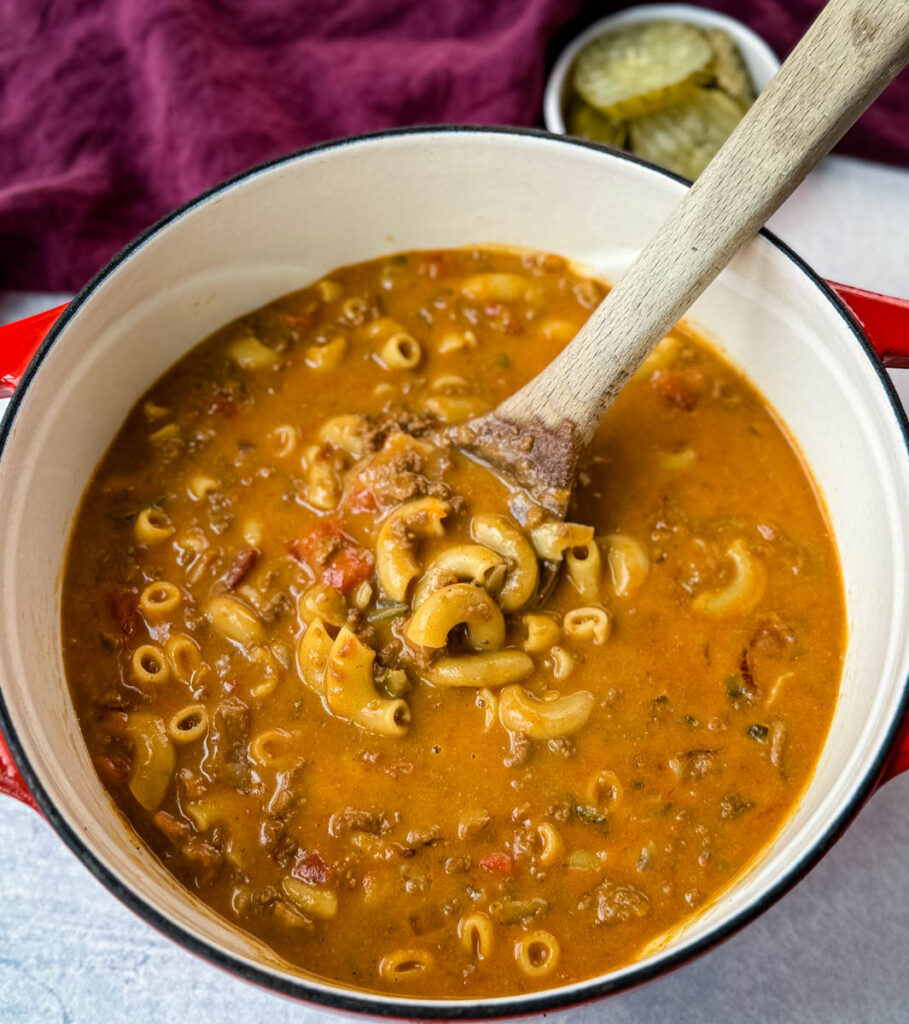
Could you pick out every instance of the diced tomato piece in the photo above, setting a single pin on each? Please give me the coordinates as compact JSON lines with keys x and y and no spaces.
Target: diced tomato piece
{"x":223,"y":404}
{"x":310,"y":868}
{"x":497,"y":863}
{"x":350,"y":566}
{"x":333,"y":556}
{"x":242,"y":565}
{"x":123,"y":603}
{"x":681,"y":390}
{"x":306,"y":317}
{"x":435,"y":266}
{"x":362,"y":500}
{"x":313,"y":548}
{"x":503,"y":318}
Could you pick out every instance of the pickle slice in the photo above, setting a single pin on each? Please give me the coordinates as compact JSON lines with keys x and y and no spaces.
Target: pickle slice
{"x":685,"y":136}
{"x":634,"y":71}
{"x":731,"y":74}
{"x":589,"y":123}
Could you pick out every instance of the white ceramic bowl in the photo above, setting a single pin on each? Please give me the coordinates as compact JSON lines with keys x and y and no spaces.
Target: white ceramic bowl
{"x":273,"y":229}
{"x":761,"y":61}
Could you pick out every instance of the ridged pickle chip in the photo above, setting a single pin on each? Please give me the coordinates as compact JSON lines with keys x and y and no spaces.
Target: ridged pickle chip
{"x":637,"y":70}
{"x":685,"y":136}
{"x":731,"y":74}
{"x":589,"y":123}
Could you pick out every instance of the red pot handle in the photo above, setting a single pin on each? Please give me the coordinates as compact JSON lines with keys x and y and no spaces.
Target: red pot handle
{"x":11,"y":783}
{"x":885,"y":321}
{"x":18,"y":343}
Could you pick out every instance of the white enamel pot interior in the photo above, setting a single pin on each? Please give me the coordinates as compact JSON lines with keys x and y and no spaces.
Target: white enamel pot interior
{"x":281,"y":226}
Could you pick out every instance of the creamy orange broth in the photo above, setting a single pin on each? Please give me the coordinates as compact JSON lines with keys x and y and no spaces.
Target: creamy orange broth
{"x":447,"y":845}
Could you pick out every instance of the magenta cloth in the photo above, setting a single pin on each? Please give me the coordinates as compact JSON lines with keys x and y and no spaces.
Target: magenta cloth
{"x":112,"y":112}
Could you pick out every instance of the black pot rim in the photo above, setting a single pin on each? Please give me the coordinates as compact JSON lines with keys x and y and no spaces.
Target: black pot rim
{"x":373,"y":1004}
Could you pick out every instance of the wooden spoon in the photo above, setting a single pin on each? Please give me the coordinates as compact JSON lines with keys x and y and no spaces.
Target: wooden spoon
{"x":535,"y":438}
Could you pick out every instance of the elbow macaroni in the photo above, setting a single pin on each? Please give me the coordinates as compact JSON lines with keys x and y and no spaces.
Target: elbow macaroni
{"x":235,"y":621}
{"x":401,"y":351}
{"x":396,"y":565}
{"x":271,"y":747}
{"x":628,"y":562}
{"x":472,"y":563}
{"x":183,"y":656}
{"x":552,"y":847}
{"x":250,"y":354}
{"x":188,"y":724}
{"x":350,"y":692}
{"x":346,"y":433}
{"x":490,"y":668}
{"x":588,"y":623}
{"x":537,"y":954}
{"x":154,"y":759}
{"x":324,"y":603}
{"x":499,"y":534}
{"x":477,"y":935}
{"x":149,"y":666}
{"x":404,"y":964}
{"x":542,"y":632}
{"x":152,"y":527}
{"x":584,"y":566}
{"x":458,"y":604}
{"x":160,"y":599}
{"x":522,"y":713}
{"x":313,"y":651}
{"x":744,"y":590}
{"x":322,"y":489}
{"x":315,"y":900}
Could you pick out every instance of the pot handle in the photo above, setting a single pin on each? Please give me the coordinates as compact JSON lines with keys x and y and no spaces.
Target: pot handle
{"x":884,"y":319}
{"x":19,"y":341}
{"x":899,"y":756}
{"x":11,"y":783}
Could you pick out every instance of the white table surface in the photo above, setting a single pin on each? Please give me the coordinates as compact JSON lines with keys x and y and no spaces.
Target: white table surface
{"x":835,"y":949}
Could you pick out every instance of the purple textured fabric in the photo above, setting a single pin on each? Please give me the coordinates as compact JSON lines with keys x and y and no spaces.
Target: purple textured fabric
{"x":114,"y":111}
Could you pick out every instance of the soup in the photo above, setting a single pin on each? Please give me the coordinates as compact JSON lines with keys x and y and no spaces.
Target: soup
{"x":318,"y":671}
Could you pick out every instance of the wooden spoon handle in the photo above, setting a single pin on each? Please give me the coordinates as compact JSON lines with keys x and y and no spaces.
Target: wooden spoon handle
{"x":853,"y":49}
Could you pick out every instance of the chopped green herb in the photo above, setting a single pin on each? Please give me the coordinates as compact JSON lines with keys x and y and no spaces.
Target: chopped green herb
{"x":735,"y":687}
{"x":590,"y":815}
{"x":399,"y":260}
{"x":758,"y":732}
{"x":691,"y":721}
{"x":503,"y":359}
